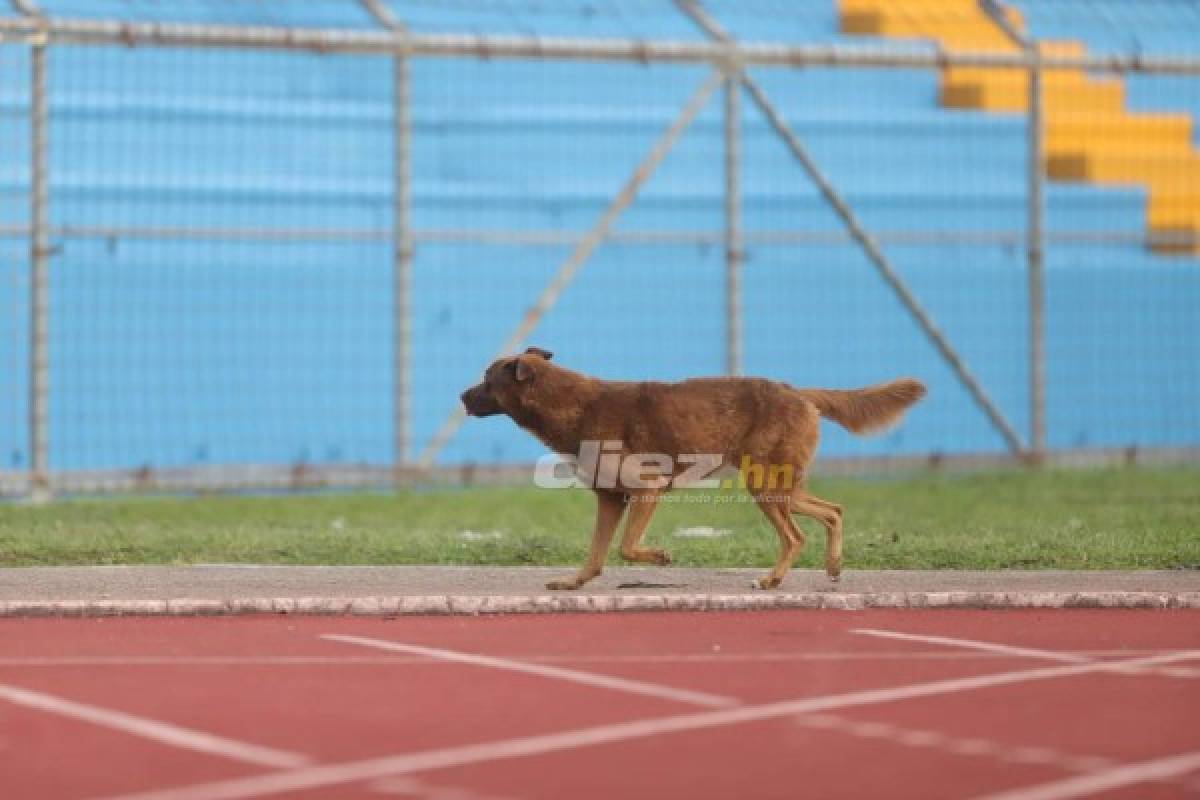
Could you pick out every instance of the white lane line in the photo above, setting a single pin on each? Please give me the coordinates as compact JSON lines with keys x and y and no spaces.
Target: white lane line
{"x":408,"y":763}
{"x":990,"y":647}
{"x":1116,"y":778}
{"x":1087,"y":763}
{"x":920,"y":738}
{"x":1010,"y":650}
{"x":957,"y":746}
{"x":411,"y":787}
{"x":973,"y":747}
{"x":161,"y":732}
{"x":543,"y":671}
{"x":872,"y":730}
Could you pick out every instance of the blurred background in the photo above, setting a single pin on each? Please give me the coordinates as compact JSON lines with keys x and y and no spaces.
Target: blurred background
{"x":266,"y":243}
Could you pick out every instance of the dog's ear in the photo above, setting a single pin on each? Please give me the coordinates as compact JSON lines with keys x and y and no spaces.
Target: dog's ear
{"x":537,"y":351}
{"x":522,"y":369}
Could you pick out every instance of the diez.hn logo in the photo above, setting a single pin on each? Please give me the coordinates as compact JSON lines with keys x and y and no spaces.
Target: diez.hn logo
{"x":607,"y":465}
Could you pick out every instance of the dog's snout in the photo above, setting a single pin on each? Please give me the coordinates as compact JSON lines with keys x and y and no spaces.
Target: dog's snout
{"x":476,"y":402}
{"x":479,"y":402}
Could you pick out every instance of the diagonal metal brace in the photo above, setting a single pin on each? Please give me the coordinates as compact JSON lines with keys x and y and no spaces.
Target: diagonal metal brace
{"x":383,"y":15}
{"x":995,"y":12}
{"x":587,"y":245}
{"x":884,"y":267}
{"x":702,"y":18}
{"x":27,"y":8}
{"x":694,"y":10}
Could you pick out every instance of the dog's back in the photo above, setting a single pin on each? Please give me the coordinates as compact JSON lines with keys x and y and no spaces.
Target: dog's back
{"x":733,"y":416}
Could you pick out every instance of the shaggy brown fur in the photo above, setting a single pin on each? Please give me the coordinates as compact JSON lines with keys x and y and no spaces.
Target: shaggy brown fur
{"x":746,"y":421}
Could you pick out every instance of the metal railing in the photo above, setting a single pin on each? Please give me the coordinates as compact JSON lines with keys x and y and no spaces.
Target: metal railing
{"x":731,"y":61}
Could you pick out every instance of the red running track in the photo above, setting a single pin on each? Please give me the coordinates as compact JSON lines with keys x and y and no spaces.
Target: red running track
{"x":897,"y":704}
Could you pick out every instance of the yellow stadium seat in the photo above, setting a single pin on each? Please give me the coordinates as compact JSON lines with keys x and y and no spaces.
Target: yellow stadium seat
{"x":1089,"y":134}
{"x":1086,"y":95}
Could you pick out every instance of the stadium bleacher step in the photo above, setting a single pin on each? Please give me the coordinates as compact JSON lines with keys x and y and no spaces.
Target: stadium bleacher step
{"x":1090,"y":134}
{"x":960,"y":22}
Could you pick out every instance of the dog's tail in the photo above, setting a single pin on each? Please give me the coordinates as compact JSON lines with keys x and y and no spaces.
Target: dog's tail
{"x":865,"y":410}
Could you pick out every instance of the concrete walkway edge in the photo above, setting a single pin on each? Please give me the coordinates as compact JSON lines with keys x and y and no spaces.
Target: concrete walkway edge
{"x":543,"y":604}
{"x":394,"y":590}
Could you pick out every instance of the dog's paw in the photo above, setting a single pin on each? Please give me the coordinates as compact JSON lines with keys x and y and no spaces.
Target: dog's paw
{"x":766,"y":582}
{"x":564,"y":584}
{"x":833,"y":569}
{"x":660,"y":557}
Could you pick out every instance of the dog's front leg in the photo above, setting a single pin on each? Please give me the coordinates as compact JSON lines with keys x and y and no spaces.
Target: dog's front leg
{"x":609,"y":508}
{"x":640,"y":512}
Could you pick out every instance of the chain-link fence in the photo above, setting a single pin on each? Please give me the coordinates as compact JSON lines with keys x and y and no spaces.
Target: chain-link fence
{"x":267,"y":244}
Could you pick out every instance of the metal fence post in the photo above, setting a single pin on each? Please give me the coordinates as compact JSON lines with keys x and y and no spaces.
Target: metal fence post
{"x":1035,"y":236}
{"x":402,"y":241}
{"x":734,"y":253}
{"x":1035,"y":254}
{"x":403,"y":263}
{"x":733,"y":226}
{"x":39,"y":254}
{"x":583,"y":250}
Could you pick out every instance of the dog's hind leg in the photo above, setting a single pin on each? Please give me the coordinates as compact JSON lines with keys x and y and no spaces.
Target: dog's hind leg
{"x":826,"y":504}
{"x":830,"y":516}
{"x":791,"y":539}
{"x":641,"y":509}
{"x":609,"y":507}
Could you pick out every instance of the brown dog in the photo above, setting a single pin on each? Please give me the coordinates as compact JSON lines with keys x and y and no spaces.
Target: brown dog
{"x":769,"y":429}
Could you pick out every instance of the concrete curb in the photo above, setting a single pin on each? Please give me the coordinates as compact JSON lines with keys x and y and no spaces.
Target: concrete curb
{"x":567,"y":603}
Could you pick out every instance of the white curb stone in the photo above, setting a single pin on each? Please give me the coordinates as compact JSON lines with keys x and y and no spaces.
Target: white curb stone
{"x":561,"y":603}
